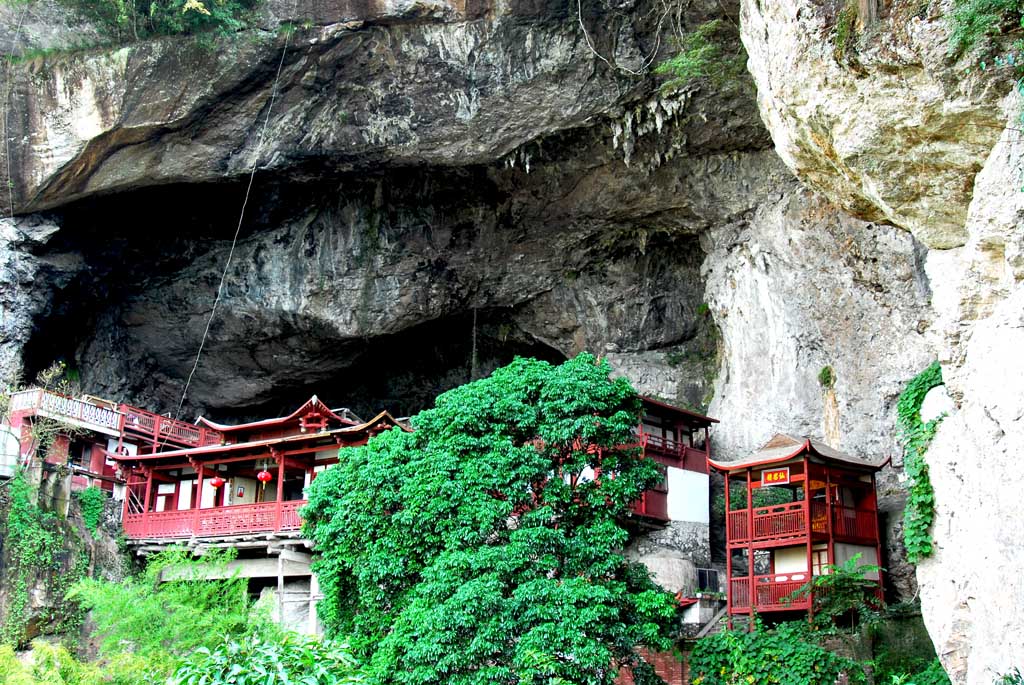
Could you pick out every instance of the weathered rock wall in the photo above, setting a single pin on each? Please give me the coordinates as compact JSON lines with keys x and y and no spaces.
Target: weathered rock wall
{"x":892,"y":127}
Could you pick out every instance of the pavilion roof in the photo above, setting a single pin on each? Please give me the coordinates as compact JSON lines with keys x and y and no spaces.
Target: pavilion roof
{"x":784,"y":447}
{"x":693,"y":416}
{"x":312,"y":404}
{"x":209,"y":450}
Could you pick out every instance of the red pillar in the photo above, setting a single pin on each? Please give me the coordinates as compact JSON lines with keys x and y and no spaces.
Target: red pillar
{"x":280,"y":492}
{"x":810,"y":537}
{"x":149,"y":491}
{"x":728,"y":554}
{"x":878,"y":539}
{"x":198,"y":503}
{"x":829,"y":514}
{"x":751,"y":590}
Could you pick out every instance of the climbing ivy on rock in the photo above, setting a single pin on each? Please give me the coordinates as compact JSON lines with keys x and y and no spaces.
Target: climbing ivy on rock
{"x":916,"y":435}
{"x":481,"y":549}
{"x":91,"y":502}
{"x":32,"y":544}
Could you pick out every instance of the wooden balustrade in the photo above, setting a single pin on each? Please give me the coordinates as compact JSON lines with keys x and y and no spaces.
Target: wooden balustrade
{"x":68,"y":409}
{"x":680,"y":453}
{"x":788,"y":520}
{"x":847,"y":522}
{"x":162,"y":429}
{"x":769,"y":523}
{"x":770,"y":592}
{"x":229,"y":520}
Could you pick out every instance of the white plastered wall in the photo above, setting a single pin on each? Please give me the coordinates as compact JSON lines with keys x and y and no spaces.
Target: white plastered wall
{"x":688,"y":496}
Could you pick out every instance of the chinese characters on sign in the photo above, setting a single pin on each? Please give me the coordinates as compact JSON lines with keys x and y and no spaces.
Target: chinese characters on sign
{"x":775,"y":476}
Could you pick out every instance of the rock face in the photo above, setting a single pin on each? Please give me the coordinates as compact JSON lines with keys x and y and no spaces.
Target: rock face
{"x":887,"y":125}
{"x":971,"y":590}
{"x":799,"y":288}
{"x":872,"y":111}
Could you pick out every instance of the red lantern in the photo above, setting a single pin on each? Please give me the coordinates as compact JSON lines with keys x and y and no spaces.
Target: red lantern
{"x":264,"y":476}
{"x":216,"y":481}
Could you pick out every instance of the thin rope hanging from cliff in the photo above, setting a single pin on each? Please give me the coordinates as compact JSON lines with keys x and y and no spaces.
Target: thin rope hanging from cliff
{"x":238,"y":227}
{"x":7,"y":108}
{"x":473,"y":369}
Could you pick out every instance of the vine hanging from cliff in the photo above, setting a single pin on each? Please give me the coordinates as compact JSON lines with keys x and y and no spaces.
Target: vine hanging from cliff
{"x":33,"y":544}
{"x":916,"y":435}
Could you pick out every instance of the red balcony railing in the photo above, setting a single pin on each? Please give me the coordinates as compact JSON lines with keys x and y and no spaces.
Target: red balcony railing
{"x":674,"y":453}
{"x":782,"y":521}
{"x":77,"y":412}
{"x":769,"y":523}
{"x":166,"y":431}
{"x":230,"y":520}
{"x":847,"y":522}
{"x":770,"y":592}
{"x":652,"y":504}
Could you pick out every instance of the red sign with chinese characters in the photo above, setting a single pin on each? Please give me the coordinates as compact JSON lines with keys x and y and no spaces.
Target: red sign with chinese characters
{"x":775,"y":476}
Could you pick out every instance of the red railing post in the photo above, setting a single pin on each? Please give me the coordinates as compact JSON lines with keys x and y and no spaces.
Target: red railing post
{"x":198,"y":503}
{"x":280,"y":492}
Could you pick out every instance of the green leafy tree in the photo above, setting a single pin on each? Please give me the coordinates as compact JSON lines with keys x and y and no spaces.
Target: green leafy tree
{"x":480,"y":549}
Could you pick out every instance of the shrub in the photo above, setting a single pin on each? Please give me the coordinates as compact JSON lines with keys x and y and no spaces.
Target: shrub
{"x":712,"y":50}
{"x":972,"y":20}
{"x":162,"y":622}
{"x":256,"y":660}
{"x":786,"y":655}
{"x":33,"y":542}
{"x":124,"y":20}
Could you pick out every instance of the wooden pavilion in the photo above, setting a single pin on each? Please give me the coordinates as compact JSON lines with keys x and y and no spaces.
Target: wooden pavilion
{"x":250,"y":480}
{"x":823,"y":511}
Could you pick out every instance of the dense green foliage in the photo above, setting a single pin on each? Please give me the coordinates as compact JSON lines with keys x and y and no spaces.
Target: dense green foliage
{"x":91,"y":502}
{"x":826,"y":377}
{"x":972,"y":20}
{"x":478,"y":550}
{"x":916,"y":436}
{"x":844,"y":595}
{"x":33,"y":543}
{"x":786,"y":655}
{"x":162,"y":622}
{"x":123,"y":20}
{"x":706,"y":52}
{"x":255,"y":660}
{"x":47,"y":665}
{"x":930,"y":674}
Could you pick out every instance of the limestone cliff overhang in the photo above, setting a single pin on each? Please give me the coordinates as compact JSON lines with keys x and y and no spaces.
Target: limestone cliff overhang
{"x":783,"y":449}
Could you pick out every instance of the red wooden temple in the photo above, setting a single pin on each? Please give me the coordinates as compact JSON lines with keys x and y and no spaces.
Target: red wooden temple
{"x":822,"y":511}
{"x":679,"y":440}
{"x":186,"y":480}
{"x":247,"y":478}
